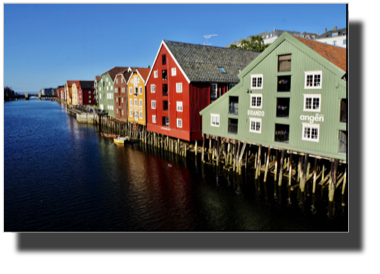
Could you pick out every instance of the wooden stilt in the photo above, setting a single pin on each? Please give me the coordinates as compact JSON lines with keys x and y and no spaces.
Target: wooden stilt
{"x":258,"y":163}
{"x":217,"y":151}
{"x":196,"y":148}
{"x":344,"y":182}
{"x":255,"y":161}
{"x":275,"y":166}
{"x":203,"y":148}
{"x":237,"y":158}
{"x":290,"y":169}
{"x":333,"y":179}
{"x":281,"y":167}
{"x":267,"y":165}
{"x":241,"y":156}
{"x":303,"y":181}
{"x":315,"y":175}
{"x":228,"y":154}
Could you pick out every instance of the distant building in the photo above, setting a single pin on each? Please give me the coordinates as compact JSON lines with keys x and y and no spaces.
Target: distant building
{"x":270,"y":37}
{"x":336,"y":37}
{"x":61,"y":92}
{"x":49,"y":91}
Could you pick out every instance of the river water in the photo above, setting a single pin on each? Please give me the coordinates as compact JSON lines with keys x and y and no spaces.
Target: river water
{"x":60,"y":175}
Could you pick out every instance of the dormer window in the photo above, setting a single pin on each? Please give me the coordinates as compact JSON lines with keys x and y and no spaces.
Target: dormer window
{"x":222,"y":70}
{"x":164,"y":59}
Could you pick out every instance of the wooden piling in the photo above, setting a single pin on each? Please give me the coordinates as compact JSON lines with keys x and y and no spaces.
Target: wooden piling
{"x":290,"y":169}
{"x":275,"y":166}
{"x":334,"y":165}
{"x":217,"y":151}
{"x":281,"y":167}
{"x":315,"y":175}
{"x":196,"y":148}
{"x":267,"y":165}
{"x":344,"y":182}
{"x":258,"y":163}
{"x":203,"y":148}
{"x":241,"y":156}
{"x":303,"y":180}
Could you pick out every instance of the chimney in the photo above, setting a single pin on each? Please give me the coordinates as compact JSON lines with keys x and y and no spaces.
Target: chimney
{"x":317,"y":33}
{"x":334,"y":28}
{"x":265,"y":32}
{"x":325,"y":30}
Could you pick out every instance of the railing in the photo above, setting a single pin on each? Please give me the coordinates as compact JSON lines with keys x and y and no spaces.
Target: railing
{"x":232,"y":128}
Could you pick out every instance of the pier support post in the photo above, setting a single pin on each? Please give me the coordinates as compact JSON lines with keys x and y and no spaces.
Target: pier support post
{"x":281,"y":167}
{"x":304,"y":173}
{"x":275,"y":166}
{"x":344,"y":182}
{"x":241,"y":156}
{"x":267,"y":165}
{"x":315,"y":175}
{"x":217,"y":151}
{"x":203,"y":148}
{"x":196,"y":148}
{"x":334,"y":165}
{"x":228,"y":154}
{"x":290,"y":169}
{"x":258,"y":168}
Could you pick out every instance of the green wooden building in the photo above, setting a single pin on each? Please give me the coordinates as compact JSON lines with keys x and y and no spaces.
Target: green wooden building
{"x":106,"y":91}
{"x":292,"y":97}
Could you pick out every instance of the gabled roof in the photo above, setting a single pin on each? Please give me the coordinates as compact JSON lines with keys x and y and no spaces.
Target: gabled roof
{"x":328,"y":34}
{"x":144,"y":72}
{"x":112,"y":72}
{"x":70,"y":83}
{"x":97,"y":78}
{"x":87,"y":84}
{"x":200,"y":63}
{"x":335,"y":55}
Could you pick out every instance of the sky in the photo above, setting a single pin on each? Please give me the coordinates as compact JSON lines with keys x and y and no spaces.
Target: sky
{"x":47,"y":44}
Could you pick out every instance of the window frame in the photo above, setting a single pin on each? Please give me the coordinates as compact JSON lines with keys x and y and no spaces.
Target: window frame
{"x":140,"y":90}
{"x":152,"y":88}
{"x":140,"y":102}
{"x":216,"y":115}
{"x":311,"y":126}
{"x":174,"y":71}
{"x":130,"y":102}
{"x":216,"y":90}
{"x":155,"y":74}
{"x":253,"y":119}
{"x":154,"y":119}
{"x":305,"y":96}
{"x":256,"y":95}
{"x":151,"y":104}
{"x":313,"y":73}
{"x":178,"y":119}
{"x":179,"y":103}
{"x":257,"y":76}
{"x":177,"y":89}
{"x":130,"y":90}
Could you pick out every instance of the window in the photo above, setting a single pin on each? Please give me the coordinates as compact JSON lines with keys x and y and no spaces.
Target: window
{"x":313,"y":79}
{"x":179,"y":106}
{"x":115,"y":90}
{"x":100,"y":96}
{"x":342,"y":141}
{"x":165,"y":106}
{"x":334,"y":34}
{"x":122,"y":111}
{"x":256,"y":101}
{"x":122,"y":80}
{"x":153,"y":118}
{"x":89,"y":96}
{"x":283,"y":83}
{"x":179,"y":123}
{"x":116,"y":81}
{"x":153,"y":88}
{"x":123,"y":90}
{"x":344,"y":41}
{"x":117,"y":100}
{"x":131,"y":113}
{"x":343,"y":110}
{"x":165,"y":90}
{"x":135,"y":93}
{"x":282,"y":110}
{"x":140,"y":90}
{"x":165,"y":121}
{"x":122,"y":99}
{"x":130,"y":102}
{"x":174,"y":71}
{"x":135,"y":102}
{"x":234,"y":105}
{"x":312,"y":102}
{"x":89,"y":92}
{"x":153,"y":104}
{"x":130,"y":90}
{"x":334,"y":43}
{"x":222,"y":70}
{"x":89,"y":101}
{"x":140,"y":102}
{"x":179,"y":87}
{"x":164,"y":75}
{"x":281,"y":133}
{"x":310,"y":132}
{"x":255,"y":125}
{"x":164,"y":59}
{"x":232,"y":126}
{"x":214,"y":91}
{"x":257,"y":81}
{"x":284,"y":62}
{"x":107,"y":87}
{"x":100,"y":88}
{"x":117,"y":111}
{"x":101,"y":107}
{"x":155,"y":73}
{"x":215,"y":120}
{"x":140,"y":114}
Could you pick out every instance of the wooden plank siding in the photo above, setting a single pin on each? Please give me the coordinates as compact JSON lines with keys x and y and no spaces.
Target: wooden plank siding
{"x":302,"y":60}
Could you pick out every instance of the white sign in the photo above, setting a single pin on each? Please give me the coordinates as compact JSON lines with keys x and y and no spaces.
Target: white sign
{"x":256,"y":112}
{"x":311,"y":119}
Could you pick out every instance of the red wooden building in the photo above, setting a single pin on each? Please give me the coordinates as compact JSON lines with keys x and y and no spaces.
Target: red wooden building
{"x":86,"y":93}
{"x":61,"y":92}
{"x":185,"y":78}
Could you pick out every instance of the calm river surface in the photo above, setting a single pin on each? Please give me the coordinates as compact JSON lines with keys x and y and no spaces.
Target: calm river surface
{"x":60,"y":175}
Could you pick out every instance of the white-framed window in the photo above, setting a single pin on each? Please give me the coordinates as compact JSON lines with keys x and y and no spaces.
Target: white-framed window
{"x":257,"y":81}
{"x":101,"y":81}
{"x":122,"y":80}
{"x":106,"y":79}
{"x":100,"y":88}
{"x":117,"y":100}
{"x":179,"y":106}
{"x":122,"y":90}
{"x":107,"y":87}
{"x":155,"y":73}
{"x":100,"y":96}
{"x":115,"y":90}
{"x":140,"y":90}
{"x":89,"y":101}
{"x":135,"y":102}
{"x":117,"y":111}
{"x":101,"y":107}
{"x":89,"y":97}
{"x":178,"y":87}
{"x":131,"y":113}
{"x":122,"y":111}
{"x":255,"y":125}
{"x":313,"y":79}
{"x":136,"y":115}
{"x":256,"y":101}
{"x":215,"y":120}
{"x":122,"y":99}
{"x":140,"y":102}
{"x":111,"y":87}
{"x":116,"y":81}
{"x":153,"y":88}
{"x":153,"y":104}
{"x":179,"y":123}
{"x":214,"y":90}
{"x":140,"y":114}
{"x":310,"y":132}
{"x":89,"y":92}
{"x":312,"y":102}
{"x":174,"y":71}
{"x":153,"y":118}
{"x":130,"y":90}
{"x":130,"y":102}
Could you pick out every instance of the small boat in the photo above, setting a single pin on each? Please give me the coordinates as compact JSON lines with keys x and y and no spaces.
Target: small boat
{"x":120,"y":140}
{"x":105,"y":135}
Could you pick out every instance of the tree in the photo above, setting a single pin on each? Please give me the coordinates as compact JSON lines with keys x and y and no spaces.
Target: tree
{"x":255,"y":43}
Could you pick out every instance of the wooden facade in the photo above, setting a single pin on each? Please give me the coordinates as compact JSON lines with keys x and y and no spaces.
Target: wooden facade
{"x":185,"y":78}
{"x":61,"y":92}
{"x":136,"y":97}
{"x":292,"y":97}
{"x":68,"y":91}
{"x":86,"y":93}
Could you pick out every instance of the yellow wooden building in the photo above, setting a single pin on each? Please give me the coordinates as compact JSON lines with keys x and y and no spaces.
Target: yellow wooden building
{"x":74,"y":92}
{"x":136,"y":87}
{"x":69,"y":92}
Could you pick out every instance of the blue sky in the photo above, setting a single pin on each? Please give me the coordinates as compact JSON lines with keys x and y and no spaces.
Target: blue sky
{"x":47,"y":44}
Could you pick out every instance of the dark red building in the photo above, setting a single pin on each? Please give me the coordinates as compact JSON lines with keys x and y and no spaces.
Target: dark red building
{"x":185,"y":78}
{"x":61,"y":92}
{"x":86,"y":93}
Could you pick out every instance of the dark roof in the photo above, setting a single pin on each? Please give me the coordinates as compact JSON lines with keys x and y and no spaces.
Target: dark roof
{"x":330,"y":32}
{"x":335,"y":55}
{"x":112,"y":72}
{"x":200,"y":63}
{"x":87,"y":84}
